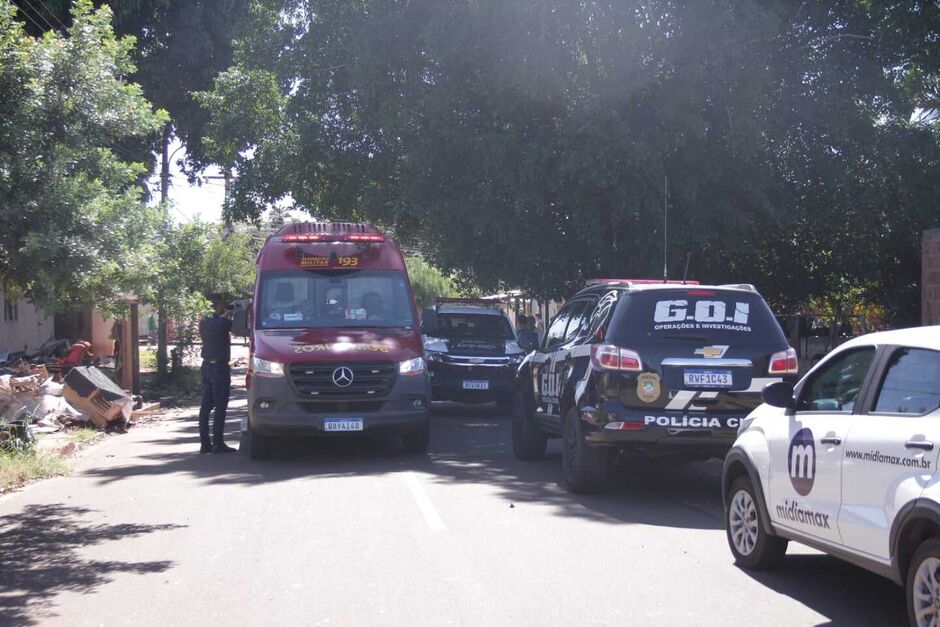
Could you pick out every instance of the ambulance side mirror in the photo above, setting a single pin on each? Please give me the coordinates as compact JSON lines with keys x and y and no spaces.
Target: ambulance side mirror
{"x":429,"y":321}
{"x":240,"y":319}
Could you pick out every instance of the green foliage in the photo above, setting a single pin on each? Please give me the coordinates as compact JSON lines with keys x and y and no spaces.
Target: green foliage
{"x":428,"y":282}
{"x":189,"y":262}
{"x":73,"y":221}
{"x":527,"y":142}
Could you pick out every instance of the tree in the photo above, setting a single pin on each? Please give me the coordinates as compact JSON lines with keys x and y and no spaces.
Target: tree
{"x":190,"y":262}
{"x":427,"y":282}
{"x":535,"y":143}
{"x":71,"y":210}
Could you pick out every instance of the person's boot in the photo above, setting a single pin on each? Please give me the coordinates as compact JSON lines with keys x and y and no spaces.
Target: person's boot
{"x":222,"y":448}
{"x":206,"y":447}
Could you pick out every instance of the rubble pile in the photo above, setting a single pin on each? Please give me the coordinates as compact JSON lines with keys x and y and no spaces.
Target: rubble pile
{"x":32,"y":401}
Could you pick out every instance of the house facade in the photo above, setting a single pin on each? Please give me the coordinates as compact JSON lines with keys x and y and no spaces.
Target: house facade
{"x":24,"y":326}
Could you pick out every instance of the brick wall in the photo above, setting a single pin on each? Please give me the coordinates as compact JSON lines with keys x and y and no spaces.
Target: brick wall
{"x":930,"y":280}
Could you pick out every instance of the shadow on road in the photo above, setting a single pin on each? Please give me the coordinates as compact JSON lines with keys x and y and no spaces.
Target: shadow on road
{"x":843,"y":593}
{"x":469,"y":445}
{"x":39,"y":558}
{"x":472,"y":445}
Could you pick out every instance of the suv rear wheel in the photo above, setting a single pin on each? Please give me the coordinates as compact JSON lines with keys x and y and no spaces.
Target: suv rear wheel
{"x":583,"y":468}
{"x":528,"y":441}
{"x":750,"y":544}
{"x":922,"y":585}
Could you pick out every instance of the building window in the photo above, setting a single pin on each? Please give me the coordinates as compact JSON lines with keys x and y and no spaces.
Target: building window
{"x":11,"y":311}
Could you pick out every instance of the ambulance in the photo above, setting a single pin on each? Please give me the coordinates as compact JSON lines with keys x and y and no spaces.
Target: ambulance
{"x":335,"y":339}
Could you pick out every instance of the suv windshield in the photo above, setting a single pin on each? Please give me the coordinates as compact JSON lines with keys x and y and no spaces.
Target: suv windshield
{"x":310,"y":299}
{"x":473,"y":326}
{"x":707,"y":315}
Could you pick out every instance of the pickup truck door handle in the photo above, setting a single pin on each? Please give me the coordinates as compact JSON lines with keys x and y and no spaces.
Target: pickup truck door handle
{"x":921,"y":444}
{"x":831,"y":440}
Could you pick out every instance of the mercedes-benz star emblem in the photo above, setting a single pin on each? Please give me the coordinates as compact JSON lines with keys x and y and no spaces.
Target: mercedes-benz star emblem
{"x":342,"y":377}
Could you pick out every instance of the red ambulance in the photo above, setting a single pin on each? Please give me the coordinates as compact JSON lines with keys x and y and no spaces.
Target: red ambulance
{"x":335,"y":339}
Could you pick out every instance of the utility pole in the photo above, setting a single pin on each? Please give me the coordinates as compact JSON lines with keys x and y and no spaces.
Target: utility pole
{"x":162,"y":312}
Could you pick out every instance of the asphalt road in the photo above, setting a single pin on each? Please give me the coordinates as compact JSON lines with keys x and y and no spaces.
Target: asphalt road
{"x":357,"y":532}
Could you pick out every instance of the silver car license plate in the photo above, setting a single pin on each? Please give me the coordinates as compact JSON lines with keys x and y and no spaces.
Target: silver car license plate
{"x":708,"y":378}
{"x":342,"y":424}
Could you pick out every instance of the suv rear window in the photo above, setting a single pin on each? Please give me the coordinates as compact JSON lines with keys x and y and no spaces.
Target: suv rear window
{"x":473,"y":326}
{"x":708,"y":315}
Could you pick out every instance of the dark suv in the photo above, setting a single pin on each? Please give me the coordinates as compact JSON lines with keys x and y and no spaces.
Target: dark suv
{"x":648,"y":369}
{"x":471,"y":350}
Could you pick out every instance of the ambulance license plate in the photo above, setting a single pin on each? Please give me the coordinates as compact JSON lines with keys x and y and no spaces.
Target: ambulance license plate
{"x":708,"y":378}
{"x":342,"y":424}
{"x":476,"y":385}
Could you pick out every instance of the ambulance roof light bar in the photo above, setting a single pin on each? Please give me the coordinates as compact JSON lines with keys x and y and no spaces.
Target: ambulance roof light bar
{"x":359,"y":238}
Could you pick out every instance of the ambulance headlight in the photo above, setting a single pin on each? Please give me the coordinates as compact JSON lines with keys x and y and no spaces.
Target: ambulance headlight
{"x":264,"y":368}
{"x":412,"y":367}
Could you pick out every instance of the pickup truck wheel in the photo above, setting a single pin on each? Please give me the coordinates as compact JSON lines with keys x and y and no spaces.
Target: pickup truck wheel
{"x":922,"y":584}
{"x":418,"y":441}
{"x":528,"y":441}
{"x":750,"y":544}
{"x":583,"y":468}
{"x":258,"y":446}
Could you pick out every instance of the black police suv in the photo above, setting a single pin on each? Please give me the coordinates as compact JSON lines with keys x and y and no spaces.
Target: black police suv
{"x":471,"y":351}
{"x":647,"y":369}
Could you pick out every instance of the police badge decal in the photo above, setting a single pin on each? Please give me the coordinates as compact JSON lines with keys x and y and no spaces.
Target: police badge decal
{"x":647,"y":387}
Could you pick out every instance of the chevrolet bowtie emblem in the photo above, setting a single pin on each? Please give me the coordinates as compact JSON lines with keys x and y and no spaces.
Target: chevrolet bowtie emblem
{"x":712,"y":352}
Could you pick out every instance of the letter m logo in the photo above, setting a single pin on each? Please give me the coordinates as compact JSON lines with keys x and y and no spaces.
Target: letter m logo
{"x":801,"y":461}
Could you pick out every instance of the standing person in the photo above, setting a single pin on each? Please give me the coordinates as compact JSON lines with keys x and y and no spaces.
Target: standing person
{"x":151,"y":329}
{"x":216,"y":376}
{"x":528,"y":336}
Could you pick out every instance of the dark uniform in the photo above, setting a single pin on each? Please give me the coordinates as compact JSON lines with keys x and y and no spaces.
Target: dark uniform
{"x":216,"y":378}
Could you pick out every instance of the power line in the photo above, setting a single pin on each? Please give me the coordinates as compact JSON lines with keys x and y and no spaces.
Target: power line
{"x":52,"y":13}
{"x":34,"y":22}
{"x":48,"y":23}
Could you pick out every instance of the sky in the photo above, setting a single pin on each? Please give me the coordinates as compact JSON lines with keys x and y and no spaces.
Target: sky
{"x":191,"y":201}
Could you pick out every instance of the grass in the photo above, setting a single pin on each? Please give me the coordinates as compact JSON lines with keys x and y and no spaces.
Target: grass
{"x":84,"y":436}
{"x":148,"y":359}
{"x":182,"y":385}
{"x":20,"y":467}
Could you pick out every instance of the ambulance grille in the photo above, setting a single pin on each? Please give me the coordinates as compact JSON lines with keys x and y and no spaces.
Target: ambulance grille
{"x":315,"y":381}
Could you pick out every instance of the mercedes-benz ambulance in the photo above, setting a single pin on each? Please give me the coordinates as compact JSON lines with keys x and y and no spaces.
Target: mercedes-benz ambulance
{"x":335,"y":340}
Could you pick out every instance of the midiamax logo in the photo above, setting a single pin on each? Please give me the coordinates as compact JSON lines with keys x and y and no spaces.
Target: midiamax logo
{"x":801,"y":461}
{"x":791,"y":510}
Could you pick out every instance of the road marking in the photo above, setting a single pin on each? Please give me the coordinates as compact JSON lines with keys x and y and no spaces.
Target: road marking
{"x":424,"y":503}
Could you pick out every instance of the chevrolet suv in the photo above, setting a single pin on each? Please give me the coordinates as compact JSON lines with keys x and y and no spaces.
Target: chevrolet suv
{"x":472,"y":351}
{"x":846,"y":462}
{"x":648,"y":369}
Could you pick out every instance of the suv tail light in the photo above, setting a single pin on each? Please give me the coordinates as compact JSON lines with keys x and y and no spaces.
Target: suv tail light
{"x":784,"y":362}
{"x":609,"y":357}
